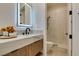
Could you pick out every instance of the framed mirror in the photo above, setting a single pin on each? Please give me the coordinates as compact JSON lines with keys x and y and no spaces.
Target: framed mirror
{"x":24,"y":15}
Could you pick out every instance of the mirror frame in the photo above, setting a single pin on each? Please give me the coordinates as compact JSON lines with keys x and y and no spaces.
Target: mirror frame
{"x":18,"y":16}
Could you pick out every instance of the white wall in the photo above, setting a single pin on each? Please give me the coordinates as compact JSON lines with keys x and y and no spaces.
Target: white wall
{"x":8,"y":15}
{"x":39,"y":13}
{"x":75,"y":29}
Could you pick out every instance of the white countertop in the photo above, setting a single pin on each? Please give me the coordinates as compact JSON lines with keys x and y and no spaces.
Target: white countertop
{"x":8,"y":45}
{"x":19,"y":37}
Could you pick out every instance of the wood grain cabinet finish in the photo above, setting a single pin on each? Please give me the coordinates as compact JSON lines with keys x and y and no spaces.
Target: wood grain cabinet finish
{"x":35,"y":47}
{"x":29,"y":50}
{"x":19,"y":52}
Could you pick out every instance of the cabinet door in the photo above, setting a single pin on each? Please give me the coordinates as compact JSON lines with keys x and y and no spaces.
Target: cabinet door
{"x":23,"y":51}
{"x":13,"y":53}
{"x":35,"y":47}
{"x":19,"y":52}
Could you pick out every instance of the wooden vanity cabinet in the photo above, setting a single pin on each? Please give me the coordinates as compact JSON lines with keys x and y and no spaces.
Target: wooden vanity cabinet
{"x":35,"y":47}
{"x":29,"y":50}
{"x":19,"y":52}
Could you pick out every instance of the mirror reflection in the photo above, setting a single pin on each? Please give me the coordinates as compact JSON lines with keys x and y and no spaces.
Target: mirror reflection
{"x":25,"y":14}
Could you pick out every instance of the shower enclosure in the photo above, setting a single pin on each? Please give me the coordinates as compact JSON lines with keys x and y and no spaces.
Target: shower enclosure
{"x":57,"y":29}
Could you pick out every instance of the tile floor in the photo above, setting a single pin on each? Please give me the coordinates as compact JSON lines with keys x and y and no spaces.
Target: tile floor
{"x":57,"y":51}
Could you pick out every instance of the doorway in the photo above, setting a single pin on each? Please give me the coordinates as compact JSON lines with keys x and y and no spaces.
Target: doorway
{"x":57,"y":29}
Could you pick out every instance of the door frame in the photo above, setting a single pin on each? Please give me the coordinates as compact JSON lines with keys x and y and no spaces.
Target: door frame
{"x":69,"y":30}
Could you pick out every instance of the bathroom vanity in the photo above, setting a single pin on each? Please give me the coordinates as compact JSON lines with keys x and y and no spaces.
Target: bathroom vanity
{"x":22,"y":18}
{"x":22,"y":45}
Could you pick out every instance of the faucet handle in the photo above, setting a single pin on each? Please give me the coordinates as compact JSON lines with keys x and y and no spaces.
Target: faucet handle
{"x":28,"y":30}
